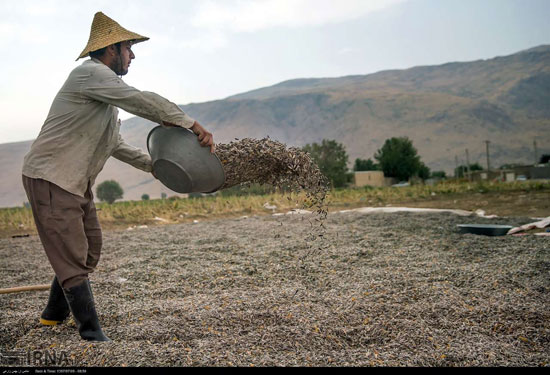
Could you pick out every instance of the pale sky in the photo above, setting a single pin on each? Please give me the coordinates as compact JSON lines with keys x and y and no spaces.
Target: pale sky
{"x":211,"y":49}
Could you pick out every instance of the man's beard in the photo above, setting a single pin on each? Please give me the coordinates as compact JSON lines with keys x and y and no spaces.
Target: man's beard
{"x":117,"y":67}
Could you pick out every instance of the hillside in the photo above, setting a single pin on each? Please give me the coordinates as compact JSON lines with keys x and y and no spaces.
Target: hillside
{"x":444,"y":109}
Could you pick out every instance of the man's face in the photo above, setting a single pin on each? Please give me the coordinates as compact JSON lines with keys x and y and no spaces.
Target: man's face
{"x":122,"y":60}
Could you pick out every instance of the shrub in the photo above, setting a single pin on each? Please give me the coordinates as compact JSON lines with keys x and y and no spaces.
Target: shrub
{"x":109,"y":191}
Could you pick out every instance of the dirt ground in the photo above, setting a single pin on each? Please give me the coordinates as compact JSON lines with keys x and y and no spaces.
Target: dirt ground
{"x":399,"y":289}
{"x":512,"y":203}
{"x":534,"y":203}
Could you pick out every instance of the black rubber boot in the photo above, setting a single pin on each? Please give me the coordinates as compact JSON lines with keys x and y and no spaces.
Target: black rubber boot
{"x":81,"y":303}
{"x":57,"y":309}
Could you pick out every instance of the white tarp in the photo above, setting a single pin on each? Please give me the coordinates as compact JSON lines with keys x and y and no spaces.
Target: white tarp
{"x":368,"y":210}
{"x":537,"y":224}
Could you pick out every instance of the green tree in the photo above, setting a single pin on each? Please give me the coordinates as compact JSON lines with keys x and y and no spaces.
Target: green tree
{"x":332,"y":159}
{"x":109,"y":191}
{"x":462,"y":170}
{"x":423,"y":171}
{"x":439,"y":174}
{"x":398,"y":158}
{"x":364,"y":165}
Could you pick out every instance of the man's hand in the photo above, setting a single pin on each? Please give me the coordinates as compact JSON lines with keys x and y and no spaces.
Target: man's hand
{"x":205,"y":138}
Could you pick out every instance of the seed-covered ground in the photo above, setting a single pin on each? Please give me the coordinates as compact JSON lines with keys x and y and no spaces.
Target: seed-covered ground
{"x":385,"y":289}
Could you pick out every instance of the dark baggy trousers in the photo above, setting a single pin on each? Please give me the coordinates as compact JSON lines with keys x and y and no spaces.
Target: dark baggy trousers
{"x":68,"y":228}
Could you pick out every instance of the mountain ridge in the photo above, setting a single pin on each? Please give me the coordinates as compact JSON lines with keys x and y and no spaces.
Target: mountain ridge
{"x":443,"y":108}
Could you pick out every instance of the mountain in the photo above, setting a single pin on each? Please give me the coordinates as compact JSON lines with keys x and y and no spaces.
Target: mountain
{"x":443,"y":109}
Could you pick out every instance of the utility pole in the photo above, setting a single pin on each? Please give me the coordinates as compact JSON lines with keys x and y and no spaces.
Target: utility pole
{"x":487,"y":151}
{"x":536,"y":154}
{"x":456,"y":166}
{"x":468,"y":166}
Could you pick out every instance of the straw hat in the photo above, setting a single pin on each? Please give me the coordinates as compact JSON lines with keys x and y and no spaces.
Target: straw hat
{"x":105,"y":32}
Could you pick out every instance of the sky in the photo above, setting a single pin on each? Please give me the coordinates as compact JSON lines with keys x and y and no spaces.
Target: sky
{"x":211,"y":49}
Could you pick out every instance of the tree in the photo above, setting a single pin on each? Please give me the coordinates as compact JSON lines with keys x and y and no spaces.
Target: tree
{"x":423,"y":171}
{"x":365,"y":165}
{"x":332,"y":159}
{"x":109,"y":191}
{"x":439,"y":174}
{"x":462,"y":170}
{"x":398,"y":158}
{"x":145,"y":197}
{"x":545,"y":158}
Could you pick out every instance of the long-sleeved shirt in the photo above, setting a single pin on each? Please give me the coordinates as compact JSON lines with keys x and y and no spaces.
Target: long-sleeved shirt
{"x":82,"y":128}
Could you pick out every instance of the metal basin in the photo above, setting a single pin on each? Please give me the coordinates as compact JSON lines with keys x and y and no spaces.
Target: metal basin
{"x":485,"y":229}
{"x":181,"y":163}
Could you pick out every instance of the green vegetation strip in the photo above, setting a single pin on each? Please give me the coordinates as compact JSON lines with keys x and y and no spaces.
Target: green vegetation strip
{"x":18,"y":220}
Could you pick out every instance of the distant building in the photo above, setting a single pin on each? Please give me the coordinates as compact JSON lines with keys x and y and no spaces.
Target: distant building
{"x":373,"y":178}
{"x":539,"y":172}
{"x":524,"y":172}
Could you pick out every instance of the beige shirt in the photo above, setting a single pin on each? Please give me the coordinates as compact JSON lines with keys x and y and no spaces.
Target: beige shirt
{"x":82,"y":128}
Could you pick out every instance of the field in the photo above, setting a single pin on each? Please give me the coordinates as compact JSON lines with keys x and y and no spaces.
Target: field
{"x":248,"y":288}
{"x":528,"y":198}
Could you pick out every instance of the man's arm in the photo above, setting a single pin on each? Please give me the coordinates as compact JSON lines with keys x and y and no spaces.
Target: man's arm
{"x":132,"y":155}
{"x":105,"y":86}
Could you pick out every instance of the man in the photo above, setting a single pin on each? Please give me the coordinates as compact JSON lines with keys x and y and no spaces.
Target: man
{"x":80,"y":133}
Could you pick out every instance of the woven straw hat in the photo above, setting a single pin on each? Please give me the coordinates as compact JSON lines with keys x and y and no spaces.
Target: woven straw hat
{"x":105,"y":32}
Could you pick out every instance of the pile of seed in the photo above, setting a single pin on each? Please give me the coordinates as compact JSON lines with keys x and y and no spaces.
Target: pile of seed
{"x":403,"y":289}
